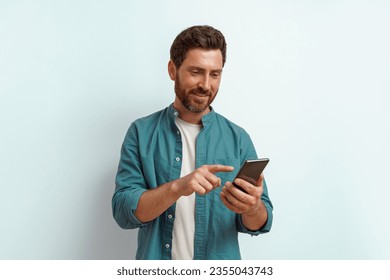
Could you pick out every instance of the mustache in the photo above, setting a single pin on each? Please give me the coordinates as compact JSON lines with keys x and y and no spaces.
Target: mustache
{"x":200,"y":91}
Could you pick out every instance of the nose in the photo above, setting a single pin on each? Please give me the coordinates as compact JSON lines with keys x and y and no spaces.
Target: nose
{"x":204,"y":83}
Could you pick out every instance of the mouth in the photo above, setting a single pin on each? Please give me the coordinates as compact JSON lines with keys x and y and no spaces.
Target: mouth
{"x":199,"y":94}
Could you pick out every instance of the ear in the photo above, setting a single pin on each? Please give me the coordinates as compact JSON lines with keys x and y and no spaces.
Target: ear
{"x":172,"y":70}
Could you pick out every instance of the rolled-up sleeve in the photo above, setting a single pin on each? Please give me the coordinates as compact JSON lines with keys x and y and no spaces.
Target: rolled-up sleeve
{"x":248,"y":152}
{"x":267,"y":226}
{"x":129,"y":183}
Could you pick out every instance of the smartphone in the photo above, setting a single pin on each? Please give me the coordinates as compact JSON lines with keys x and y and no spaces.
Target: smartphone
{"x":251,"y":170}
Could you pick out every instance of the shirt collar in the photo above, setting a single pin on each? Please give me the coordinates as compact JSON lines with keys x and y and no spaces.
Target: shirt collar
{"x":206,"y":119}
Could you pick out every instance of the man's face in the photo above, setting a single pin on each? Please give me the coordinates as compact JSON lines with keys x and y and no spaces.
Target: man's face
{"x":197,"y":79}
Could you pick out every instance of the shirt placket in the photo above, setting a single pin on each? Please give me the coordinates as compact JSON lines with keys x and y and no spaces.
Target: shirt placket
{"x":169,"y":216}
{"x":201,"y":223}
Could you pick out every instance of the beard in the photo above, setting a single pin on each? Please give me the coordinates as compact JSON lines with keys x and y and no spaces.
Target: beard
{"x":196,"y":100}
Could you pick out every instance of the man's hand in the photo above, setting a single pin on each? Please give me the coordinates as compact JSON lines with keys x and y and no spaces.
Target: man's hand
{"x":239,"y":201}
{"x":250,"y":205}
{"x":201,"y":181}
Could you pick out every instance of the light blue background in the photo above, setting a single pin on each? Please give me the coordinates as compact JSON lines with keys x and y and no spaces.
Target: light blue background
{"x":309,"y":80}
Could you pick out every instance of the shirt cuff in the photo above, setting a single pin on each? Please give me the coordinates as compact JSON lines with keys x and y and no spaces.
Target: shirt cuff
{"x":264,"y":229}
{"x":133,"y":201}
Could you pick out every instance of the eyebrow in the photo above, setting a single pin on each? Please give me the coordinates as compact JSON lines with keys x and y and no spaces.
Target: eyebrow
{"x":202,"y":69}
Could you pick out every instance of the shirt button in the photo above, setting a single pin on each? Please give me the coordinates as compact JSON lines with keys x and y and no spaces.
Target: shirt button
{"x":170,"y":216}
{"x":178,"y":132}
{"x":167,"y":246}
{"x":177,"y":159}
{"x":175,"y":113}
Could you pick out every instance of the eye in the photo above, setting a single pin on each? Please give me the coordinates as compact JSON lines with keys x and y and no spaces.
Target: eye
{"x":194,"y":72}
{"x":216,"y":74}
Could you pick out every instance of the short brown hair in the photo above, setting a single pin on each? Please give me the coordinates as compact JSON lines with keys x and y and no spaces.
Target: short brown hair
{"x":199,"y":36}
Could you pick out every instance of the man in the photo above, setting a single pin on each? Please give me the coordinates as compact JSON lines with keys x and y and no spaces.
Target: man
{"x":174,"y":163}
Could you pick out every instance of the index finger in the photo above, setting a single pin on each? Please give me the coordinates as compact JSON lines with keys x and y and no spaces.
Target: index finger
{"x":214,"y":168}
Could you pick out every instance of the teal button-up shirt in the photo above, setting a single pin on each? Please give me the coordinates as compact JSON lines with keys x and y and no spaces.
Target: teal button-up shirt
{"x":151,"y":156}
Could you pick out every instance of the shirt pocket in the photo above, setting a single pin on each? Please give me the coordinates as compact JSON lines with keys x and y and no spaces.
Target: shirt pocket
{"x":227,"y":176}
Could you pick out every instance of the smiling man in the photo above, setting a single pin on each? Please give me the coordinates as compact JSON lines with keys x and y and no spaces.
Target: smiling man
{"x":176,"y":166}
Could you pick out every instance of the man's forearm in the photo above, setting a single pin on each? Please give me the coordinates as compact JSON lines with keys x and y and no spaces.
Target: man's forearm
{"x":255,"y":219}
{"x":154,"y":202}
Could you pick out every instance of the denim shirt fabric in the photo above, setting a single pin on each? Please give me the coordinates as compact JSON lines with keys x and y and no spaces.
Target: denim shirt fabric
{"x":151,"y":156}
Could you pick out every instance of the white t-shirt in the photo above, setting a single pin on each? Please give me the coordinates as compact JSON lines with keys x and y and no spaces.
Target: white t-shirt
{"x":184,"y":224}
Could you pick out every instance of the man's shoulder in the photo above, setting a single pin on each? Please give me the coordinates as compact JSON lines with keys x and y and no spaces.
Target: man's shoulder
{"x":148,"y":124}
{"x":224,"y":121}
{"x":237,"y":135}
{"x":151,"y":118}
